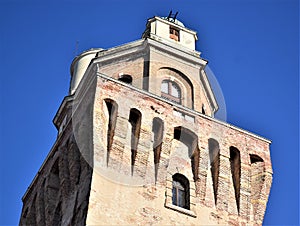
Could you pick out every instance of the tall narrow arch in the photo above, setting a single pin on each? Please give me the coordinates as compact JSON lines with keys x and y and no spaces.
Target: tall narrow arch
{"x":157,"y":129}
{"x":257,"y":180}
{"x":57,"y":215}
{"x":52,"y":189}
{"x":135,"y":119}
{"x":235,"y":166}
{"x":190,"y":139}
{"x":214,"y":157}
{"x":112,"y":108}
{"x":180,"y":191}
{"x":54,"y":180}
{"x":74,"y":157}
{"x":32,"y":215}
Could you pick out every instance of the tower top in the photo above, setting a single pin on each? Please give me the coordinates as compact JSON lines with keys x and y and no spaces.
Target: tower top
{"x":171,"y":31}
{"x":175,"y":21}
{"x":172,"y":18}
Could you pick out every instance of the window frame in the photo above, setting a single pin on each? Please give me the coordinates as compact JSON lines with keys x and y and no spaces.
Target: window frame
{"x":174,"y":33}
{"x":169,"y":95}
{"x":178,"y":194}
{"x":180,"y":191}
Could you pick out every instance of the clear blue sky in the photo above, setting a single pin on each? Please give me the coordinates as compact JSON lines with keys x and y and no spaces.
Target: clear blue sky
{"x":252,"y":47}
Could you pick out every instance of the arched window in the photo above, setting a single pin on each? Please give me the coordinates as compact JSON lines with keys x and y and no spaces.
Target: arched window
{"x":181,"y":191}
{"x":171,"y":91}
{"x":125,"y":78}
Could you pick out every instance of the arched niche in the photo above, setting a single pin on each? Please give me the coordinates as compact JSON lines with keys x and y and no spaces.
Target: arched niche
{"x":180,"y":79}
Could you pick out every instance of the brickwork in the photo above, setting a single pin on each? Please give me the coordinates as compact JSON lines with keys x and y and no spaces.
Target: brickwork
{"x":226,"y":208}
{"x":126,"y":155}
{"x":67,"y":169}
{"x":59,"y":193}
{"x":52,"y":199}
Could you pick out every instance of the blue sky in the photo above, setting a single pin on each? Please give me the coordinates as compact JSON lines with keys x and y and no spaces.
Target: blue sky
{"x":252,"y":47}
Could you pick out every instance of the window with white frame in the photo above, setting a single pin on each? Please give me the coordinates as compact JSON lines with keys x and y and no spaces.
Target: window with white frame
{"x":180,"y":191}
{"x":171,"y":91}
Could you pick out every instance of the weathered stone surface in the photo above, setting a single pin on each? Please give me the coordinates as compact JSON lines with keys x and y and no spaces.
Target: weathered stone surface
{"x":112,"y":167}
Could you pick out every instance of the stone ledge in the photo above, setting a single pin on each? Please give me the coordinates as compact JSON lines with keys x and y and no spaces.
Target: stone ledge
{"x":181,"y":210}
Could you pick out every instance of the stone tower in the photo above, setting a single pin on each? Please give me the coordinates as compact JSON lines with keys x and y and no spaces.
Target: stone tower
{"x":138,"y":143}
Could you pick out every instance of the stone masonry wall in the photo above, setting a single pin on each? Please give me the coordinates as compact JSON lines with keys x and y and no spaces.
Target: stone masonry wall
{"x":111,"y":166}
{"x":59,"y":194}
{"x":119,"y":197}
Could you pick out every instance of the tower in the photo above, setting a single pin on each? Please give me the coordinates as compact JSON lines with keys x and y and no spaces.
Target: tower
{"x":138,"y":143}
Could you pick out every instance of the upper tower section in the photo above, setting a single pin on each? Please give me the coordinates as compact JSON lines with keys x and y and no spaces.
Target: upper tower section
{"x":170,"y":31}
{"x":164,"y":63}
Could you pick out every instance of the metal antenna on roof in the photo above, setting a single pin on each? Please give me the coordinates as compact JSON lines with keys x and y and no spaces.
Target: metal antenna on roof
{"x":171,"y":16}
{"x":175,"y":16}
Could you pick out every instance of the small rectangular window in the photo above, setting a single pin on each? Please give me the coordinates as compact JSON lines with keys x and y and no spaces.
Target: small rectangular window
{"x":174,"y":34}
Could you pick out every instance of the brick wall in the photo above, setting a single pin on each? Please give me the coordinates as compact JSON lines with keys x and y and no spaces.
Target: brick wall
{"x":250,"y":188}
{"x":110,"y":165}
